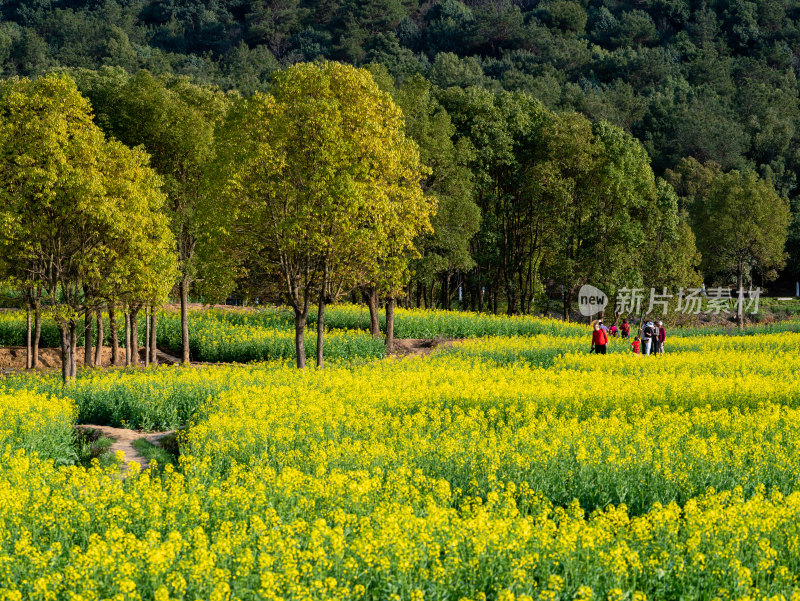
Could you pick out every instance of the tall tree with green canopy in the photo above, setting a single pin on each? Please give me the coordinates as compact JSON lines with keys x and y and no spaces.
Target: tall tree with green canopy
{"x":670,"y":257}
{"x":504,"y":131}
{"x":325,"y":183}
{"x":608,"y":198}
{"x":83,"y":211}
{"x":740,"y":221}
{"x":445,"y":250}
{"x":175,"y":121}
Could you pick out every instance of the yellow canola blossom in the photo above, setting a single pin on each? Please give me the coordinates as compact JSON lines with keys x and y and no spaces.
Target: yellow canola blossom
{"x":477,"y":473}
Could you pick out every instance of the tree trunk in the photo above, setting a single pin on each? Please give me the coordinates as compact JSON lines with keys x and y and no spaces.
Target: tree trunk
{"x":184,"y":290}
{"x":390,"y":303}
{"x":98,"y":350}
{"x":127,"y":338}
{"x":65,"y":359}
{"x":134,"y":312}
{"x":28,"y":345}
{"x":511,"y":298}
{"x":740,"y":295}
{"x":147,"y":337}
{"x":73,"y":349}
{"x":112,"y":324}
{"x":153,"y":337}
{"x":37,"y":332}
{"x":299,"y":337}
{"x":445,"y":291}
{"x":567,"y":303}
{"x":374,"y":322}
{"x":88,"y":358}
{"x":321,"y":318}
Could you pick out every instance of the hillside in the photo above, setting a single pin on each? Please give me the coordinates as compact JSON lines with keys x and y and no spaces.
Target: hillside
{"x":711,"y":80}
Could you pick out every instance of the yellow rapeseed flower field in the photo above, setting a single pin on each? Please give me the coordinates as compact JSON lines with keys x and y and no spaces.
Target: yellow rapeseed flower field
{"x":500,"y":468}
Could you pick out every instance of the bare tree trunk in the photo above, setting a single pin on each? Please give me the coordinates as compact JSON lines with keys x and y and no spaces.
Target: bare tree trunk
{"x":37,"y":332}
{"x":98,"y":350}
{"x":300,"y":337}
{"x":28,"y":345}
{"x":372,"y":302}
{"x":147,"y":337}
{"x":65,"y":358}
{"x":112,"y":324}
{"x":73,"y":349}
{"x":127,"y":338}
{"x":88,"y":357}
{"x":184,"y":290}
{"x":390,"y":303}
{"x":740,"y":295}
{"x":321,"y":318}
{"x":134,"y":312}
{"x":153,"y":337}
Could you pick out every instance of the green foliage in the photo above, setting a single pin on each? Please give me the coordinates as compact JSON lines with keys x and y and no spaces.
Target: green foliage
{"x":418,"y":323}
{"x":174,"y":120}
{"x":80,"y":214}
{"x":220,"y":337}
{"x":151,"y":452}
{"x":740,"y":221}
{"x":713,"y":81}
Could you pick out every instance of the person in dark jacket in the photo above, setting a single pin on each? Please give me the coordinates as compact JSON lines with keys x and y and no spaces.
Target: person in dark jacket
{"x":648,"y":334}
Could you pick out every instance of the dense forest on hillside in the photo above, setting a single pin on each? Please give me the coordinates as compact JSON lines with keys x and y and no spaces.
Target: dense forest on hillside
{"x":715,"y":81}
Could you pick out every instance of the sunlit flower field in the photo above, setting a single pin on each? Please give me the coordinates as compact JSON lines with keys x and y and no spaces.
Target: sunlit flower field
{"x":513,"y":465}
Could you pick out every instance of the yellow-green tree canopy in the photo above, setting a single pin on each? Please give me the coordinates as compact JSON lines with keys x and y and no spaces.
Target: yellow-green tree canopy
{"x":79,"y":215}
{"x":327,"y":182}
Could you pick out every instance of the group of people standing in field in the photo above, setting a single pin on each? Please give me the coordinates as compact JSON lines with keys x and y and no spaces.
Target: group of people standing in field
{"x":649,"y":341}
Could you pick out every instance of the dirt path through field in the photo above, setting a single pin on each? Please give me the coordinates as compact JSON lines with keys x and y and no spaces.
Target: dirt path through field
{"x":123,"y":441}
{"x":418,"y":347}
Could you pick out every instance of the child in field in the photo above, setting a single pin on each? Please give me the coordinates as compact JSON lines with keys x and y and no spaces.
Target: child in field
{"x":636,"y":346}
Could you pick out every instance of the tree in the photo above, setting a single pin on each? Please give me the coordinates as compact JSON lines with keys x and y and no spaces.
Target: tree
{"x":609,"y":201}
{"x":740,"y":221}
{"x":175,"y":121}
{"x":444,"y":251}
{"x":81,"y":210}
{"x":326,"y":184}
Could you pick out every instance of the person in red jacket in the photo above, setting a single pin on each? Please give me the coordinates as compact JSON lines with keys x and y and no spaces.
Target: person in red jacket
{"x":626,"y":328}
{"x":662,"y":336}
{"x":599,"y":340}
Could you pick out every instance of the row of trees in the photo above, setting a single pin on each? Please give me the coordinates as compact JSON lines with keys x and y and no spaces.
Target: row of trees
{"x":80,"y":217}
{"x":317,"y":182}
{"x":116,"y":187}
{"x":533,"y":204}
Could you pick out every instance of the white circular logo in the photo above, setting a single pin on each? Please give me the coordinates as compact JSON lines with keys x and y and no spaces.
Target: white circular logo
{"x":591,"y":300}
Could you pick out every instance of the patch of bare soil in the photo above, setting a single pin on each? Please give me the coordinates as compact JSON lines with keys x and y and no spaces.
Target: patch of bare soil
{"x":13,"y":358}
{"x":418,"y":347}
{"x":49,"y":358}
{"x":192,"y":306}
{"x":124,"y":439}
